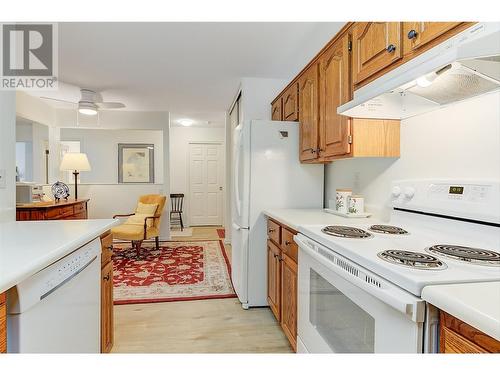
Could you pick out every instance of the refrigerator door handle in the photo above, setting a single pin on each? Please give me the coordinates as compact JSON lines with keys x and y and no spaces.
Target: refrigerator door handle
{"x":237,"y":173}
{"x":237,"y":227}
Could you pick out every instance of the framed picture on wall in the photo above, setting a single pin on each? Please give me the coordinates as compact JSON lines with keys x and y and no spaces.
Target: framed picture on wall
{"x":136,"y":163}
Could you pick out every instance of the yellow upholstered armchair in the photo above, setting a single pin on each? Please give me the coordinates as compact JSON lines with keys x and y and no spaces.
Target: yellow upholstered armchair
{"x":144,"y":223}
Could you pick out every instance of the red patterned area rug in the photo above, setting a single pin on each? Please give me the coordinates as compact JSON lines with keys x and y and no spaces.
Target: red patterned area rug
{"x":179,"y":271}
{"x":221,"y":233}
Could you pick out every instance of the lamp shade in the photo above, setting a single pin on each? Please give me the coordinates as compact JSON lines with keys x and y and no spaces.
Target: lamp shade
{"x":75,"y":161}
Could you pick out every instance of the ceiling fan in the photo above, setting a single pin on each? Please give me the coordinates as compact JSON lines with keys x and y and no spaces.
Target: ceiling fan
{"x":90,"y":102}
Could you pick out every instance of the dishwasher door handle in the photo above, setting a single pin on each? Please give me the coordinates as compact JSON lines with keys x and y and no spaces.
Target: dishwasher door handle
{"x":65,"y":281}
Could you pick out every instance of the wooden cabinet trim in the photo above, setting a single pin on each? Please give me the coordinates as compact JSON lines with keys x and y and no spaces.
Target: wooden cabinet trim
{"x":473,"y":336}
{"x":3,"y":324}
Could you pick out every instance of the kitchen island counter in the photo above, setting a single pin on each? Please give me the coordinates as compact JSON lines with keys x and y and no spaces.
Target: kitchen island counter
{"x":27,"y":247}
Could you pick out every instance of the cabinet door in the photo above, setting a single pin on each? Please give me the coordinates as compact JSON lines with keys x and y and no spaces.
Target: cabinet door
{"x":335,"y":90}
{"x":309,"y":111}
{"x":290,"y":104}
{"x":276,"y":114}
{"x":289,"y":299}
{"x":418,"y":34}
{"x":273,"y":279}
{"x":107,"y":325}
{"x":375,"y":45}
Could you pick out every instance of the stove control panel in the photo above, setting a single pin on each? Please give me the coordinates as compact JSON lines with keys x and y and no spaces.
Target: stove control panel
{"x":477,"y":200}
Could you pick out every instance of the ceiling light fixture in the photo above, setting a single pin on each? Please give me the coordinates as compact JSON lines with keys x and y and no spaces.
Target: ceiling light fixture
{"x":87,"y":108}
{"x":185,"y":122}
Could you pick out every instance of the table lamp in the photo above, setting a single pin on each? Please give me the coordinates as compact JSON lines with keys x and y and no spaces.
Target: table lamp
{"x":76,"y":162}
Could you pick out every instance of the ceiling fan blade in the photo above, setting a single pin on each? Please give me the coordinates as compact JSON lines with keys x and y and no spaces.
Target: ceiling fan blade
{"x":110,"y":105}
{"x":58,"y":100}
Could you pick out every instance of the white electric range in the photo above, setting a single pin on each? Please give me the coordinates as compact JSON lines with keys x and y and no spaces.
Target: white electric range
{"x":359,"y":285}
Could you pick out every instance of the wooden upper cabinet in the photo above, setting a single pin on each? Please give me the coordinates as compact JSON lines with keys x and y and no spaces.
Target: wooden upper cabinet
{"x":335,"y":90}
{"x":418,"y":34}
{"x":3,"y":324}
{"x":309,"y":113}
{"x":290,"y":104}
{"x":276,"y":110}
{"x":375,"y":46}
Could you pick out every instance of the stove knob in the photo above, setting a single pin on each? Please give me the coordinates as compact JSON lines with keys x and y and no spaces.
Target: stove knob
{"x":396,"y":191}
{"x":409,"y":192}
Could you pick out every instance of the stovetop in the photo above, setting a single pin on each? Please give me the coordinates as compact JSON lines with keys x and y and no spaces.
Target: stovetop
{"x":412,"y":251}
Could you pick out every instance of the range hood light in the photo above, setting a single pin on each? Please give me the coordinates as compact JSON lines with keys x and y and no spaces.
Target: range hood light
{"x":426,"y":81}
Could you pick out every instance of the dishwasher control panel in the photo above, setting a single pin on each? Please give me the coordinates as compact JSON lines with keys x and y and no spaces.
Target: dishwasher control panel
{"x":48,"y":280}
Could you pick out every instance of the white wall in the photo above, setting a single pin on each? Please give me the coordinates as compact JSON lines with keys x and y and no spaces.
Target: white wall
{"x":101,"y":147}
{"x":458,"y":141}
{"x":36,"y":135}
{"x":180,"y":137}
{"x":257,"y":95}
{"x":7,"y":156}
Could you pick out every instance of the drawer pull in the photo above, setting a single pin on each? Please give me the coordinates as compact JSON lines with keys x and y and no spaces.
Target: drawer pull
{"x":271,"y":230}
{"x":287,"y":243}
{"x":106,"y":278}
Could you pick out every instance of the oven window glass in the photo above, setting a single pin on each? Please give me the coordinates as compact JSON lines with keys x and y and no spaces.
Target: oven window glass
{"x":341,"y":323}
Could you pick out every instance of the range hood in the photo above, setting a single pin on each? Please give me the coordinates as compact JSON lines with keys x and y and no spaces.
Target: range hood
{"x":464,"y":66}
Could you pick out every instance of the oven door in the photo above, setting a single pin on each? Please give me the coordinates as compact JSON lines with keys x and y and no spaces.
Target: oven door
{"x":344,"y":308}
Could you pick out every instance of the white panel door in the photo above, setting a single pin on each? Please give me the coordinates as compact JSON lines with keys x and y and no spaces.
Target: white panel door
{"x":205,"y":180}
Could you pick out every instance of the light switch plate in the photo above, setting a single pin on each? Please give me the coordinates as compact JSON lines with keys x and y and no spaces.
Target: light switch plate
{"x":3,"y":179}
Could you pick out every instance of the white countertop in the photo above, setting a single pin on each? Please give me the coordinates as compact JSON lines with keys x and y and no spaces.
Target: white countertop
{"x":26,"y":247}
{"x":477,"y":304}
{"x":294,"y":218}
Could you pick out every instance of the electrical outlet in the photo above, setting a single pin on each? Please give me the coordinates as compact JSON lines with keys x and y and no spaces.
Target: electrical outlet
{"x":3,"y":179}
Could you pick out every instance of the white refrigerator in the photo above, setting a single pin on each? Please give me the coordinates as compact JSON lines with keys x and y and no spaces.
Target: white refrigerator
{"x":266,"y":174}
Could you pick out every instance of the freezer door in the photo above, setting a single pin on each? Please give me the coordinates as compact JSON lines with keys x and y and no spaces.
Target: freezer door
{"x":241,"y":175}
{"x":239,"y":262}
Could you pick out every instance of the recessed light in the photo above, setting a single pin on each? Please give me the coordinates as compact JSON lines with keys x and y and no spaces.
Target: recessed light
{"x":185,"y":122}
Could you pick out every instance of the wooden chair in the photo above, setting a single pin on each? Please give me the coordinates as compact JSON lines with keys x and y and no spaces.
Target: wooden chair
{"x":140,"y":231}
{"x":176,"y":201}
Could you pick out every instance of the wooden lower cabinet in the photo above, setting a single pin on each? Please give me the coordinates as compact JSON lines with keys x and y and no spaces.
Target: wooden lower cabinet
{"x":458,"y":337}
{"x":63,"y":210}
{"x":107,"y":321}
{"x":282,"y":280}
{"x":3,"y":324}
{"x":274,"y":278}
{"x":289,"y":299}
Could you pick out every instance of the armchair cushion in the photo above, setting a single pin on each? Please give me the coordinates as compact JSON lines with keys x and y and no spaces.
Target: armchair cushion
{"x":129,"y":232}
{"x":147,"y":209}
{"x":138,"y":219}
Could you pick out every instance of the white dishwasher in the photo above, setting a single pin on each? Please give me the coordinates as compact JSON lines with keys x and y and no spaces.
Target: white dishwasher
{"x":57,"y":310}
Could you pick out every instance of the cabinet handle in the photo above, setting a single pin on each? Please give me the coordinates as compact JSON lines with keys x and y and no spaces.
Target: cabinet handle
{"x":271,"y":230}
{"x":412,"y":34}
{"x":106,"y":278}
{"x":287,"y":243}
{"x":313,"y":151}
{"x":391,"y":48}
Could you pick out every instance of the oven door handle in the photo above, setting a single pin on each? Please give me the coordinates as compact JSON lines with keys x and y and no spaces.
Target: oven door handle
{"x":413,"y":308}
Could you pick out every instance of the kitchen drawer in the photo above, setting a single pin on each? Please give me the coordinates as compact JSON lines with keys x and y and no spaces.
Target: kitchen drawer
{"x":60,"y":212}
{"x":452,"y":342}
{"x":106,"y":245}
{"x":274,"y":231}
{"x":80,"y":207}
{"x":288,"y":245}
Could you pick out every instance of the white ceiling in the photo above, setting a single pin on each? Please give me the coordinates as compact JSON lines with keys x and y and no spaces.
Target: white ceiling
{"x":190,"y":69}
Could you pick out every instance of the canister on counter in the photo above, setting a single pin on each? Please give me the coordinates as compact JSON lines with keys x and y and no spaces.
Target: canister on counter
{"x":342,"y":200}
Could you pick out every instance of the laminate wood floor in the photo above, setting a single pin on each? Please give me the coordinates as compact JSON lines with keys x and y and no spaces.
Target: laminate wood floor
{"x":205,"y":326}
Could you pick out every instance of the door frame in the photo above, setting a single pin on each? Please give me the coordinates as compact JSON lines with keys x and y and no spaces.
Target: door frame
{"x":223,"y":176}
